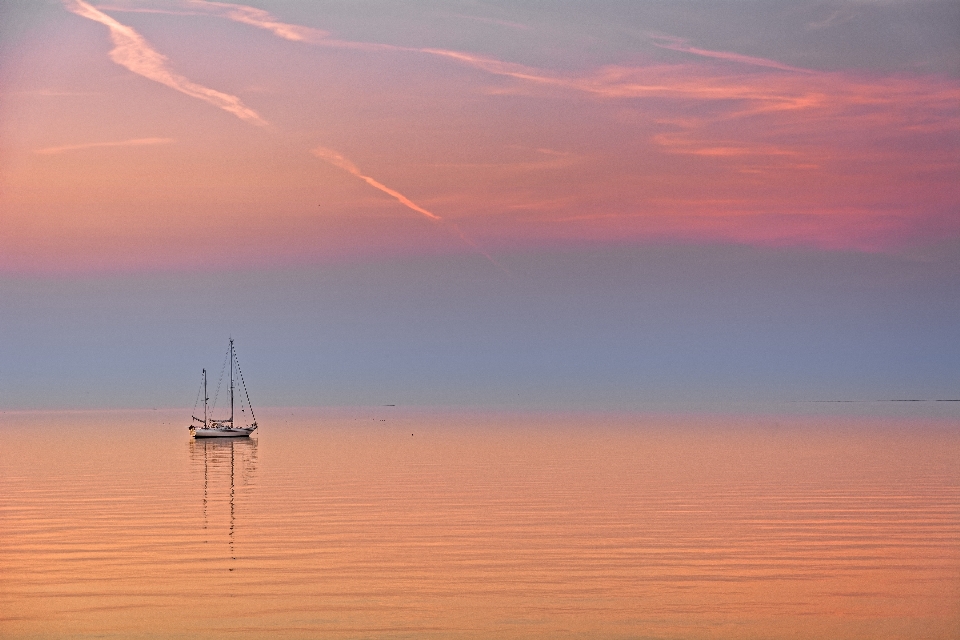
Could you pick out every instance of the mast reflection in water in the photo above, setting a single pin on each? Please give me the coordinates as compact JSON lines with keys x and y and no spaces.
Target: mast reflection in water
{"x":229,"y":466}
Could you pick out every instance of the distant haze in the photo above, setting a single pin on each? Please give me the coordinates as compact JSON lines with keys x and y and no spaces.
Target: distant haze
{"x":621,"y":328}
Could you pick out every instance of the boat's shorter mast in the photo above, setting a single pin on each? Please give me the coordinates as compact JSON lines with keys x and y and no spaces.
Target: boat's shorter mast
{"x":231,"y":382}
{"x":205,"y":398}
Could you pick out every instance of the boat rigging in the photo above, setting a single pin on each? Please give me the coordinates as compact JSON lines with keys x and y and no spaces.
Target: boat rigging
{"x":223,"y":428}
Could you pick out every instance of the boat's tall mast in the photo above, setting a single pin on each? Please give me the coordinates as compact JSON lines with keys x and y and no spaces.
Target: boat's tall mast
{"x":205,"y":398}
{"x":231,"y":382}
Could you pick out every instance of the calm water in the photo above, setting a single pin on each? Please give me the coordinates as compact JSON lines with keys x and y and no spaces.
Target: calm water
{"x":383,"y":524}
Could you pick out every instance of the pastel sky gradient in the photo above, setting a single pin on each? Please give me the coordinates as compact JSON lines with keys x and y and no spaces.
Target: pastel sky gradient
{"x":180,"y":141}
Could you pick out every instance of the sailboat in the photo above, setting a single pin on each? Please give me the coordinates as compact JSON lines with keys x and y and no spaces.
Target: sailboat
{"x":227,"y":428}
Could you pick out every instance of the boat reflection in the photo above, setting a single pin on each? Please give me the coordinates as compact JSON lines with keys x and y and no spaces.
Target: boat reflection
{"x":229,"y":466}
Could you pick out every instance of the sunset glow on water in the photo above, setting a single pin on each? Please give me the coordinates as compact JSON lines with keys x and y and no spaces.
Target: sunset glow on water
{"x":370,"y":523}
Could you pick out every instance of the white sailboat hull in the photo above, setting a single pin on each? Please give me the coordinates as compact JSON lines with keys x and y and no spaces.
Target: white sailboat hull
{"x":222,"y":432}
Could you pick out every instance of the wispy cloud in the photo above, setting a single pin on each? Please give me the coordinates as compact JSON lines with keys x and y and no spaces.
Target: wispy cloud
{"x":297,"y":33}
{"x":499,"y":23}
{"x":132,"y":51}
{"x":680,"y":44}
{"x":803,"y":89}
{"x":554,"y":160}
{"x":133,"y":142}
{"x":50,"y":93}
{"x":265,"y":20}
{"x":686,"y":144}
{"x":836,"y":18}
{"x":259,"y":18}
{"x":610,"y":82}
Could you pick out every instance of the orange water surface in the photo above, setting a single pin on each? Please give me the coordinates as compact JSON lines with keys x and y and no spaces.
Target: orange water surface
{"x":386,"y":523}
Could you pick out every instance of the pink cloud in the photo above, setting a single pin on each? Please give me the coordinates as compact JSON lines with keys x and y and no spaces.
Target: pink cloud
{"x":680,"y":44}
{"x":133,"y":142}
{"x":701,"y":151}
{"x":133,"y":52}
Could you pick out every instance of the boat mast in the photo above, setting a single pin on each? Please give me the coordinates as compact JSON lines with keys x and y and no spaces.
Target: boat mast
{"x":231,"y":382}
{"x":205,"y":398}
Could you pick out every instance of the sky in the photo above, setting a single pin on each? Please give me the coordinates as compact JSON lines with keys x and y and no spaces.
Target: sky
{"x":577,"y":204}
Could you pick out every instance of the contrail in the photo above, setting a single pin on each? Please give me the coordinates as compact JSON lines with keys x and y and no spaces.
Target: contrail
{"x":338,"y":160}
{"x":130,"y":50}
{"x":133,"y":142}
